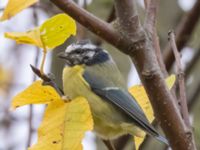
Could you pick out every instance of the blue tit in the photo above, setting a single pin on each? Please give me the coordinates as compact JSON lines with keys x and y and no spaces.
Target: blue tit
{"x":92,"y":73}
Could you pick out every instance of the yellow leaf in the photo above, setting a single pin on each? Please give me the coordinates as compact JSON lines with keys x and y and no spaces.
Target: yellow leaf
{"x":141,"y":97}
{"x":29,"y":37}
{"x":15,"y":6}
{"x":64,"y":123}
{"x":57,"y":29}
{"x":35,"y":94}
{"x":170,"y":81}
{"x":51,"y":33}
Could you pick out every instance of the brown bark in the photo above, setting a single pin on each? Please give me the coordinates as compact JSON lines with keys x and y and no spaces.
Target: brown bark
{"x":130,"y":37}
{"x":181,"y":81}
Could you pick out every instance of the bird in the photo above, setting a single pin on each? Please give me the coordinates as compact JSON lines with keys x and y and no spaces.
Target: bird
{"x":91,"y":72}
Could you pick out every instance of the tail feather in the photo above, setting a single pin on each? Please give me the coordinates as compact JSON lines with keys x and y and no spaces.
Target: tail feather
{"x":162,"y":139}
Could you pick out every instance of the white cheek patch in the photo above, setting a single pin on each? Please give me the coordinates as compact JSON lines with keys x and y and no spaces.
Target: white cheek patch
{"x":89,"y":46}
{"x":90,"y":54}
{"x":73,"y":47}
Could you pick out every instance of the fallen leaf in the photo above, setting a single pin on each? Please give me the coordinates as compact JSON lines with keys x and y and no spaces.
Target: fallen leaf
{"x":141,"y":97}
{"x":15,"y":6}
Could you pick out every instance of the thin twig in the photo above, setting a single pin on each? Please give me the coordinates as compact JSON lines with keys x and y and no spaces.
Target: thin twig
{"x":146,"y":3}
{"x":108,"y":144}
{"x":43,"y":56}
{"x":121,"y":142}
{"x":181,"y":81}
{"x":112,"y":15}
{"x":47,"y":80}
{"x":183,"y":32}
{"x":30,"y":124}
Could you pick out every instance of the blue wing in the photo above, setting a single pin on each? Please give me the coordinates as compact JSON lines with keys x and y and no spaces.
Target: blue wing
{"x":122,"y":100}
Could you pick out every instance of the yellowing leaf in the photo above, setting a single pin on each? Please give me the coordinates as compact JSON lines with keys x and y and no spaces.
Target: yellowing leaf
{"x":64,"y":122}
{"x":57,"y":29}
{"x":29,"y":37}
{"x":50,"y":34}
{"x":35,"y":94}
{"x":141,"y":97}
{"x":64,"y":125}
{"x":170,"y":81}
{"x":15,"y":6}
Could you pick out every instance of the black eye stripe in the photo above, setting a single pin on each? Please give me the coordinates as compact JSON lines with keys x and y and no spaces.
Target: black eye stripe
{"x":80,"y":51}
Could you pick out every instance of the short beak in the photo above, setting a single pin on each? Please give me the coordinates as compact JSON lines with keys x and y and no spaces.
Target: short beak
{"x":62,"y":55}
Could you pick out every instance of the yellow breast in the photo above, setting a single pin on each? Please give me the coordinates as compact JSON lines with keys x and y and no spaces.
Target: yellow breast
{"x":108,"y":121}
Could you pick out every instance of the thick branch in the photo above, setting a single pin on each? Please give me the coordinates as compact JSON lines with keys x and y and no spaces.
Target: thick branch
{"x":144,"y":57}
{"x":137,"y":45}
{"x":183,"y":33}
{"x":150,"y":18}
{"x":150,"y":25}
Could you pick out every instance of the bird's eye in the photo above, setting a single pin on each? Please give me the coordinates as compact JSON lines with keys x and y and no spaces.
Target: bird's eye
{"x":79,"y":51}
{"x":86,"y":57}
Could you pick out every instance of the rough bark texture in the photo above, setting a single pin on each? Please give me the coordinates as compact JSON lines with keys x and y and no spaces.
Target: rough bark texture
{"x":131,"y":38}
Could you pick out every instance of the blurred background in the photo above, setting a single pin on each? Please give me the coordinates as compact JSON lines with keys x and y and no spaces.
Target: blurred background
{"x":15,"y":72}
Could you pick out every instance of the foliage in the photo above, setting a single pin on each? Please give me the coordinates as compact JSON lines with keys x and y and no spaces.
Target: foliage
{"x":64,"y":122}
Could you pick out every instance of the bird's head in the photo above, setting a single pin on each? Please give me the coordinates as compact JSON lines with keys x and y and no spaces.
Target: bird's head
{"x":84,"y":52}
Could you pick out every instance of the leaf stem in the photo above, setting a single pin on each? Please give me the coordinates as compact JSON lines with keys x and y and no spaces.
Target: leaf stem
{"x":43,"y":61}
{"x":43,"y":57}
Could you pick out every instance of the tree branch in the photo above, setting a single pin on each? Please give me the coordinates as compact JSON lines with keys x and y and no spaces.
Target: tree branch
{"x":30,"y":124}
{"x":150,"y":25}
{"x":182,"y":94}
{"x":47,"y":80}
{"x":108,"y":144}
{"x":151,"y":7}
{"x":183,"y":33}
{"x":112,"y":15}
{"x":133,"y":40}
